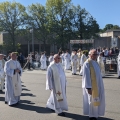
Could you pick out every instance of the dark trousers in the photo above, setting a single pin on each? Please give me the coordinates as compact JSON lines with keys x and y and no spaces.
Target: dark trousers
{"x":21,"y":62}
{"x":28,"y":65}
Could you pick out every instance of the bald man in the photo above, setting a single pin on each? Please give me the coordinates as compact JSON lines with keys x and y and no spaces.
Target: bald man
{"x":93,"y":88}
{"x":2,"y":75}
{"x":56,"y":82}
{"x":12,"y":81}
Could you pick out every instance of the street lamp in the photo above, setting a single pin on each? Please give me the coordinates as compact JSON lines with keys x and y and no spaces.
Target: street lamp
{"x":31,"y":31}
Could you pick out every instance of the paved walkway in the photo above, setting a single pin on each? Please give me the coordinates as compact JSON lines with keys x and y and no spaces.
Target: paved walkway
{"x":34,"y":98}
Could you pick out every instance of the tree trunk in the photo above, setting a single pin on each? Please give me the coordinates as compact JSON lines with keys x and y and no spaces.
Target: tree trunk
{"x":13,"y":39}
{"x":44,"y":43}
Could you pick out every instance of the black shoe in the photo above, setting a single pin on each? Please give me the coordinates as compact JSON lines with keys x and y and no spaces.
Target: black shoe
{"x":52,"y":110}
{"x":5,"y":102}
{"x":75,"y":74}
{"x":118,"y":77}
{"x":1,"y":91}
{"x":14,"y":105}
{"x":92,"y":118}
{"x":61,"y":114}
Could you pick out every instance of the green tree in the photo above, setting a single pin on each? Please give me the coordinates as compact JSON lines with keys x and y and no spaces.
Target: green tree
{"x":59,"y":20}
{"x":116,"y":27}
{"x":38,"y":20}
{"x":108,"y":27}
{"x":85,"y":25}
{"x":12,"y":18}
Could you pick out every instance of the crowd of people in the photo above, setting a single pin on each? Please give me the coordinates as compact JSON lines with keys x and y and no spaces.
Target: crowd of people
{"x":91,"y":68}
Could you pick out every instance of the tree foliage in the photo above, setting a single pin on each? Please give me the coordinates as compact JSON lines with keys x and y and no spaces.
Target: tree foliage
{"x":12,"y":17}
{"x":39,"y":22}
{"x":56,"y":23}
{"x":58,"y":12}
{"x":109,"y":27}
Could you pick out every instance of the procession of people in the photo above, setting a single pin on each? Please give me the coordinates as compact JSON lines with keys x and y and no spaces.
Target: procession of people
{"x":91,"y":67}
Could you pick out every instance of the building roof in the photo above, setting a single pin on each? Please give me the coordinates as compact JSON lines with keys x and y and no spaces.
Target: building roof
{"x":112,"y":30}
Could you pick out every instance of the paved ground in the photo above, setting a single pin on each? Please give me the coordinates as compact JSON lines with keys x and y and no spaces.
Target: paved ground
{"x":34,"y":98}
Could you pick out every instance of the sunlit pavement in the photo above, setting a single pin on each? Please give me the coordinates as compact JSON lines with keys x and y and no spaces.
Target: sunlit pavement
{"x":34,"y":97}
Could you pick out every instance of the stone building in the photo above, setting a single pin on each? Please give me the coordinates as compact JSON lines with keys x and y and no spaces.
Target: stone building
{"x":110,"y":38}
{"x":26,"y":44}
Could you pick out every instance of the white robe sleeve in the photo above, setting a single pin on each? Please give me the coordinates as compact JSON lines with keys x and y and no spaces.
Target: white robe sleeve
{"x":98,"y":59}
{"x":86,"y":79}
{"x":41,"y":59}
{"x":49,"y":59}
{"x":72,"y":58}
{"x":49,"y":79}
{"x":81,"y":60}
{"x":7,"y":70}
{"x":19,"y":67}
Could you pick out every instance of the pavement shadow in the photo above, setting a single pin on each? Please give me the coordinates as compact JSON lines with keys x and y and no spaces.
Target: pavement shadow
{"x":81,"y":117}
{"x":103,"y":118}
{"x":2,"y":92}
{"x":33,"y":108}
{"x":25,"y":89}
{"x":23,"y":86}
{"x":76,"y":116}
{"x":28,"y":94}
{"x":26,"y":101}
{"x":2,"y":99}
{"x":110,"y":77}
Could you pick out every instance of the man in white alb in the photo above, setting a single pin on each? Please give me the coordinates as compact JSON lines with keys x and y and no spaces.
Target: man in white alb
{"x":2,"y":75}
{"x":43,"y":60}
{"x":56,"y":82}
{"x":67,"y":60}
{"x":74,"y":58}
{"x":82,"y":60}
{"x":101,"y":64}
{"x":93,"y":88}
{"x":118,"y":66}
{"x":62,"y":58}
{"x":13,"y":87}
{"x":51,"y":58}
{"x":79,"y":53}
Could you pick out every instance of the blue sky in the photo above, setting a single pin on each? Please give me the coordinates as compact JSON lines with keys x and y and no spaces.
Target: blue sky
{"x":104,"y":11}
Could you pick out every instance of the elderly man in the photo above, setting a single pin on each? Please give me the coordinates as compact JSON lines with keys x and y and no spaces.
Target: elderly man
{"x":56,"y":82}
{"x":12,"y":81}
{"x":93,"y":88}
{"x":2,"y":75}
